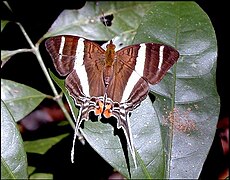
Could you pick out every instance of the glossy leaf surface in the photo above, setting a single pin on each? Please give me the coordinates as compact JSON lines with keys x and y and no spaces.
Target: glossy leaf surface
{"x":13,"y":156}
{"x":187,"y":102}
{"x":184,"y":110}
{"x":20,"y":99}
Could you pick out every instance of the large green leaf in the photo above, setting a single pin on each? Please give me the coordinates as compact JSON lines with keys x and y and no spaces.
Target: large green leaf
{"x":187,"y":102}
{"x":186,"y":105}
{"x":86,"y":22}
{"x":20,"y":99}
{"x":152,"y":145}
{"x":13,"y":156}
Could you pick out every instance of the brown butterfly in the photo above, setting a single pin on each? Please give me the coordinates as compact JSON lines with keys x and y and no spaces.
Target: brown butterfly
{"x":109,"y":83}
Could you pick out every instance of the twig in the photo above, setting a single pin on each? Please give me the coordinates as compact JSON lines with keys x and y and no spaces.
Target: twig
{"x":35,"y":50}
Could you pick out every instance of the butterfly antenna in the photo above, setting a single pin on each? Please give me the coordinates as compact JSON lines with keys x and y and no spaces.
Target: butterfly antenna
{"x":104,"y":21}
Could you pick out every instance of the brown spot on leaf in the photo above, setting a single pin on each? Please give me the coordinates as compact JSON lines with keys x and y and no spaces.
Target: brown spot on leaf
{"x":180,"y":120}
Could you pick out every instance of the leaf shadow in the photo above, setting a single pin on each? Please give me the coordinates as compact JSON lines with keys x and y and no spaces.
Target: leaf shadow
{"x":116,"y":132}
{"x":121,"y":135}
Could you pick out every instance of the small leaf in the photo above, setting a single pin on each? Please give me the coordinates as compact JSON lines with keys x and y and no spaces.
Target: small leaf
{"x":41,"y":146}
{"x":13,"y":156}
{"x":61,"y":84}
{"x":3,"y":24}
{"x":41,"y":176}
{"x":7,"y":54}
{"x":20,"y":99}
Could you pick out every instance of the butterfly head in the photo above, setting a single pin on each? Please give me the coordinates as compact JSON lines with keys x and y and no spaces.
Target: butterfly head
{"x":110,"y":46}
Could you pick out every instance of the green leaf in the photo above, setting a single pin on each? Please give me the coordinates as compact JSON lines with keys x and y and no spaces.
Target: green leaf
{"x":41,"y":147}
{"x":7,"y":54}
{"x":20,"y":99}
{"x":86,"y":22}
{"x":41,"y":176}
{"x":188,"y":92}
{"x":13,"y":156}
{"x":43,"y":144}
{"x":3,"y":24}
{"x":187,"y":104}
{"x":61,"y":84}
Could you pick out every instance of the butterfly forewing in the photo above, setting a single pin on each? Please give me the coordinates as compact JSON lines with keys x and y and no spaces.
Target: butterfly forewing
{"x":159,"y":59}
{"x":82,"y":60}
{"x":94,"y":57}
{"x":62,"y":49}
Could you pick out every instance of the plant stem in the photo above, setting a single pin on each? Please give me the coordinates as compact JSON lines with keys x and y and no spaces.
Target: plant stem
{"x":36,"y":51}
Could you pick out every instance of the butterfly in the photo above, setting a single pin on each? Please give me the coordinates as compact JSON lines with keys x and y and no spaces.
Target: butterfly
{"x":106,"y":82}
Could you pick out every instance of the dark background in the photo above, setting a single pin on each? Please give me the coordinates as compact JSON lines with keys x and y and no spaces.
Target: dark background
{"x":36,"y":17}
